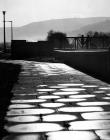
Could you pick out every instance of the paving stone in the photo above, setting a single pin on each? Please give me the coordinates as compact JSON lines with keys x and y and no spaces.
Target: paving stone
{"x":52,"y":105}
{"x":103,"y":134}
{"x":49,"y":97}
{"x":72,"y":89}
{"x":59,"y":117}
{"x":51,"y":100}
{"x":90,"y":125}
{"x":65,"y":93}
{"x":80,"y":109}
{"x":93,"y":103}
{"x":14,"y":112}
{"x":69,"y":100}
{"x":33,"y":127}
{"x":22,"y":137}
{"x":70,"y":135}
{"x":21,"y":119}
{"x":82,"y":96}
{"x":96,"y":115}
{"x":28,"y":101}
{"x":20,"y":106}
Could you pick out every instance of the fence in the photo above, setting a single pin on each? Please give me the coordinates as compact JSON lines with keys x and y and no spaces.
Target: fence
{"x":77,"y":43}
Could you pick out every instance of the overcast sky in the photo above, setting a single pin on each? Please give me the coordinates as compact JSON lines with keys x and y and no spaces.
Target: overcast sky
{"x":25,"y":11}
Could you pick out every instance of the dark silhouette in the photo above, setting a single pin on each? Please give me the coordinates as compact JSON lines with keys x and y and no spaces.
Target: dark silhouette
{"x":57,"y":39}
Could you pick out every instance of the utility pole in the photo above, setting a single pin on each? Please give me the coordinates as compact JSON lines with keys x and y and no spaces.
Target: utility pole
{"x":4,"y":31}
{"x":11,"y":29}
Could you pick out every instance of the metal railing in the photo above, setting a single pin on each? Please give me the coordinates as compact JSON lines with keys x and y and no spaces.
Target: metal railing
{"x":77,"y":43}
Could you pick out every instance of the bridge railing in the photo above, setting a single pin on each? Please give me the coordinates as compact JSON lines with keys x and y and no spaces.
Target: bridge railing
{"x":77,"y":43}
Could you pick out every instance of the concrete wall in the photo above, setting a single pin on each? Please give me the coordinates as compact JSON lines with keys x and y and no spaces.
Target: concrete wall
{"x":94,"y":63}
{"x":21,"y":49}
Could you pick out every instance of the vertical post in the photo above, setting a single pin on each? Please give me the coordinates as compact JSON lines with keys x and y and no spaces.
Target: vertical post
{"x":4,"y":31}
{"x":11,"y":30}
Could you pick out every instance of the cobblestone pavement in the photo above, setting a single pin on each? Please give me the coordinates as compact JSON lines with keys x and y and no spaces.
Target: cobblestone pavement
{"x":53,"y":101}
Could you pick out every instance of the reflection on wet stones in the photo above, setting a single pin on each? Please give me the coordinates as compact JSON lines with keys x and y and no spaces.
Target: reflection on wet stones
{"x":80,"y":109}
{"x":69,"y":100}
{"x":65,"y":93}
{"x":99,"y":91}
{"x":104,"y":88}
{"x":70,"y":135}
{"x":82,"y":96}
{"x":93,"y":103}
{"x":20,"y":106}
{"x":72,"y":89}
{"x":46,"y":89}
{"x":90,"y":125}
{"x":89,"y":86}
{"x":20,"y":112}
{"x":28,"y":101}
{"x":44,"y":102}
{"x":96,"y":115}
{"x":71,"y":84}
{"x":52,"y":105}
{"x":49,"y":97}
{"x":23,"y":137}
{"x":103,"y":134}
{"x":22,"y":119}
{"x":59,"y":117}
{"x":33,"y":127}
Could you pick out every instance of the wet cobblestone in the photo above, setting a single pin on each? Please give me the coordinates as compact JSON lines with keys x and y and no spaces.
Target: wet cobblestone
{"x":53,"y":101}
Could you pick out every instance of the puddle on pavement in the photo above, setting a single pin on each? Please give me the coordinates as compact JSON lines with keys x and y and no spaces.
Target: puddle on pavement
{"x":69,"y":100}
{"x":72,"y":89}
{"x":23,"y":137}
{"x":70,"y":135}
{"x":103,"y":134}
{"x":49,"y":97}
{"x":65,"y":93}
{"x":93,"y":103}
{"x":22,"y":119}
{"x":90,"y":125}
{"x":46,"y":89}
{"x":20,"y":112}
{"x":52,"y":105}
{"x":20,"y":106}
{"x":96,"y":115}
{"x":59,"y":117}
{"x":82,"y":96}
{"x":28,"y":101}
{"x":80,"y":109}
{"x":33,"y":127}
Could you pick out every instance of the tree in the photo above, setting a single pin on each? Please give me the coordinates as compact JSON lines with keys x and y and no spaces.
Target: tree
{"x":57,"y":39}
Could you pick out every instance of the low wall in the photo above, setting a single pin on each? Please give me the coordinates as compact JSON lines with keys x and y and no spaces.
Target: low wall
{"x":20,"y":49}
{"x":95,"y":63}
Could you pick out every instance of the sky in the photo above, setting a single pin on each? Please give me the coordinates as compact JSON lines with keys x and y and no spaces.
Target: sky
{"x":22,"y":12}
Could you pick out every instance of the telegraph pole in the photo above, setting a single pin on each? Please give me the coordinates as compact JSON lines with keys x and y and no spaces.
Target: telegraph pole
{"x":11,"y":29}
{"x":4,"y":31}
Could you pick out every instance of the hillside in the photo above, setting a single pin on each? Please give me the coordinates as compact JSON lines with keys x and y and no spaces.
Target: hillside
{"x":103,"y":26}
{"x":38,"y":30}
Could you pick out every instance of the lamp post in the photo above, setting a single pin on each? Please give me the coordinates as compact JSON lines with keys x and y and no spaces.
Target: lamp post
{"x":4,"y":31}
{"x":11,"y":29}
